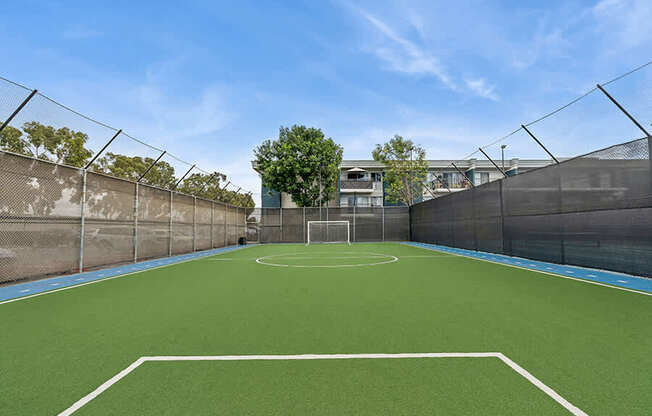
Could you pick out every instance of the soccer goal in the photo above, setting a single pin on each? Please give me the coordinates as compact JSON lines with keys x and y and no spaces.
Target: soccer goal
{"x":328,"y":232}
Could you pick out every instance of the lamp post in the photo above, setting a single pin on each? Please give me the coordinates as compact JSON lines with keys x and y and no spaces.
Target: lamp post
{"x":502,"y":151}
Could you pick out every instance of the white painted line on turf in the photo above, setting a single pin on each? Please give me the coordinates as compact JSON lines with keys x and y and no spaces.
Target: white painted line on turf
{"x":542,"y":272}
{"x":550,"y":392}
{"x":520,"y":370}
{"x":260,"y":260}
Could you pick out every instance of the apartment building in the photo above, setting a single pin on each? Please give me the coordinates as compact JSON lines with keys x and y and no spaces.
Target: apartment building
{"x":360,"y":182}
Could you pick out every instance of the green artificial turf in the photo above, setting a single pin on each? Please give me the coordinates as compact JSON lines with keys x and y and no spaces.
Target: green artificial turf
{"x":592,"y":344}
{"x":440,"y":386}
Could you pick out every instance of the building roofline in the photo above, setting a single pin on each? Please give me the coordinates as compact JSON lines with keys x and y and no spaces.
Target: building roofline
{"x":446,"y":163}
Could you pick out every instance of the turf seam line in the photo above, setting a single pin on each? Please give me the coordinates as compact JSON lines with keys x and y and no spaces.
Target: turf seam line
{"x":511,"y":364}
{"x":145,"y":269}
{"x":535,"y":270}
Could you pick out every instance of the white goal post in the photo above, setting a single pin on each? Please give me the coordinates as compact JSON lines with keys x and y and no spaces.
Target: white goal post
{"x":328,"y":232}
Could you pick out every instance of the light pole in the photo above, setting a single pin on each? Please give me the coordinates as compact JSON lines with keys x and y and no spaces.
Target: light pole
{"x":502,"y":151}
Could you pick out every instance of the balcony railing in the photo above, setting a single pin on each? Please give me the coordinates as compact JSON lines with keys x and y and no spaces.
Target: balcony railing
{"x":356,"y":184}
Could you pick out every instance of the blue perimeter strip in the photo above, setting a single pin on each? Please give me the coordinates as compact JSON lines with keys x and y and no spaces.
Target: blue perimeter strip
{"x":594,"y":275}
{"x":45,"y":285}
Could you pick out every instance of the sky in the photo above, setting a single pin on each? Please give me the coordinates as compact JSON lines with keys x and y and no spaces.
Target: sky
{"x":209,"y":81}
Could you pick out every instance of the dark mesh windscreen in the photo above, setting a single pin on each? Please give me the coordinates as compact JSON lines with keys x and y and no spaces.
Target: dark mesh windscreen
{"x":594,"y":211}
{"x":290,"y":225}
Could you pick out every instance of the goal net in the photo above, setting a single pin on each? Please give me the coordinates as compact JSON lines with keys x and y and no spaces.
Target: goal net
{"x":328,"y":232}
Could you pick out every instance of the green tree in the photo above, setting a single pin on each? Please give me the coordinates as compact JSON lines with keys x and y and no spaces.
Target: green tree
{"x":47,"y":143}
{"x":11,"y":140}
{"x":204,"y":185}
{"x":301,"y":163}
{"x":405,"y":169}
{"x":132,"y":167}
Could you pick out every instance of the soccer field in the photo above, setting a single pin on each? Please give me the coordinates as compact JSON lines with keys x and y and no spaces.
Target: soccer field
{"x":365,"y":329}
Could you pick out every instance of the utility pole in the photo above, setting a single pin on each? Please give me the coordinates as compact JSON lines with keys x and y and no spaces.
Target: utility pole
{"x":502,"y":151}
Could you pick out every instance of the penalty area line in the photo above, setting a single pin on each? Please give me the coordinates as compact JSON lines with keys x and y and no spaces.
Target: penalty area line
{"x":511,"y":364}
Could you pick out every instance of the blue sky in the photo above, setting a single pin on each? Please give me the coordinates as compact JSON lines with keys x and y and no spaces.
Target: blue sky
{"x":210,"y":80}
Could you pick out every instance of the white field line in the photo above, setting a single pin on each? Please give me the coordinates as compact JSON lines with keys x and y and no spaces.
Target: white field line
{"x":542,"y":272}
{"x":112,"y":277}
{"x":378,"y":256}
{"x":260,"y":260}
{"x":520,"y":370}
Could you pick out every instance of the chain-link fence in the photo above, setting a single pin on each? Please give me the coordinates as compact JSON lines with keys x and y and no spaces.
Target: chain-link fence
{"x":55,"y":219}
{"x":594,"y":210}
{"x":366,"y":224}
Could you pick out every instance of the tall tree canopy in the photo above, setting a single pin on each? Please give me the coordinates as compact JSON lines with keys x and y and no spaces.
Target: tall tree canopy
{"x":131,"y":167}
{"x":67,"y":146}
{"x":406,"y":169}
{"x":208,"y":186}
{"x":302,"y":163}
{"x":47,"y":143}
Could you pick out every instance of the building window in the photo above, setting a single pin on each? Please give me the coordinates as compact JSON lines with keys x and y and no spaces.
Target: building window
{"x":362,"y":201}
{"x":355,"y":176}
{"x":481,"y":177}
{"x":450,"y":180}
{"x":376,"y":201}
{"x":376,"y":176}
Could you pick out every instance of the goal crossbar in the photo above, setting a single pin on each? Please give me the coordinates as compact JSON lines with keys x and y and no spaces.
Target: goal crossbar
{"x":328,"y":224}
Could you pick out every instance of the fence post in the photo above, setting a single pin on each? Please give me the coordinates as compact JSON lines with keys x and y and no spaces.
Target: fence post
{"x":226,"y":215}
{"x":473,"y":218}
{"x":280,"y":214}
{"x":136,"y":224}
{"x":83,"y":222}
{"x":507,"y":248}
{"x":303,"y":228}
{"x":170,"y":229}
{"x":212,"y":207}
{"x":354,"y":204}
{"x":383,"y":215}
{"x":194,"y":223}
{"x":327,"y":236}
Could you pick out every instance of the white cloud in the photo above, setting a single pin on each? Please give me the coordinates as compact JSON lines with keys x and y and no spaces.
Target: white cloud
{"x":481,"y":88}
{"x":627,"y":21}
{"x":403,"y":55}
{"x":189,"y":117}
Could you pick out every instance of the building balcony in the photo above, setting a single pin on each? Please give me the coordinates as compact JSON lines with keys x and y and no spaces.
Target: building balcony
{"x":356,"y":186}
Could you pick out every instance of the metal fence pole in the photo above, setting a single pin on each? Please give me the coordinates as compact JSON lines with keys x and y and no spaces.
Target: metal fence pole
{"x":327,"y":236}
{"x":354,"y":204}
{"x":506,"y":248}
{"x":621,"y":108}
{"x":492,"y":162}
{"x":226,"y":214}
{"x":82,"y":220}
{"x":194,"y":223}
{"x":539,"y":143}
{"x":17,"y":110}
{"x":303,"y":228}
{"x":136,"y":224}
{"x":88,"y":165}
{"x":212,"y":207}
{"x":170,"y":228}
{"x":383,"y":216}
{"x":280,"y":214}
